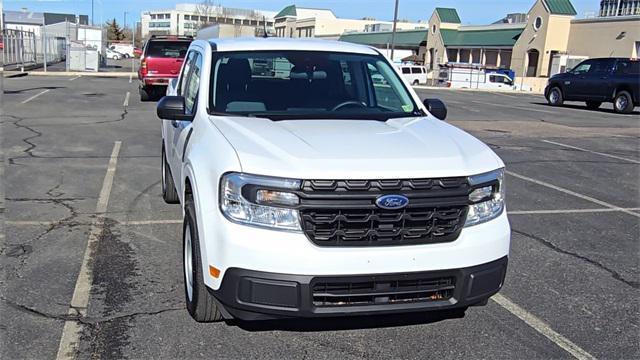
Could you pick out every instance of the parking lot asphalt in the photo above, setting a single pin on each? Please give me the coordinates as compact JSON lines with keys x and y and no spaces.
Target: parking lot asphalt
{"x":572,"y":289}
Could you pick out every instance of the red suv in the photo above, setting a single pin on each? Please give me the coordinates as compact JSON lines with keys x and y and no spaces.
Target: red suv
{"x":161,"y":61}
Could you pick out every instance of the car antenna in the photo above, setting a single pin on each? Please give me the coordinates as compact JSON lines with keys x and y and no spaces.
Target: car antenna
{"x":264,"y":25}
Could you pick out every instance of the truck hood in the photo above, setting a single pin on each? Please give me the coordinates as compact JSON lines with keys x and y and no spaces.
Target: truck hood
{"x":356,"y":149}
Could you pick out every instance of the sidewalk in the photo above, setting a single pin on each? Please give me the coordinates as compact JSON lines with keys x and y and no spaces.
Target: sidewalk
{"x":515,"y":92}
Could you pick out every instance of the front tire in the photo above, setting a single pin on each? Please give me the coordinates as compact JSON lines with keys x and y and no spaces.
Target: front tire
{"x":169,"y":192}
{"x":623,"y":102}
{"x":555,"y":98}
{"x":593,"y":105}
{"x":200,"y":303}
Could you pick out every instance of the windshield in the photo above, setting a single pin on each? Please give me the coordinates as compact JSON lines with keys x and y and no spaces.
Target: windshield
{"x":307,"y":84}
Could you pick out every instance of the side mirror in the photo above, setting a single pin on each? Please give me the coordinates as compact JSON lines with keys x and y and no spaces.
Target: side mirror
{"x":172,"y":108}
{"x":436,"y":108}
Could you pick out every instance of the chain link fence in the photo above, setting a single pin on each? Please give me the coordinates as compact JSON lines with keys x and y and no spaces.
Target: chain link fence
{"x":57,"y":47}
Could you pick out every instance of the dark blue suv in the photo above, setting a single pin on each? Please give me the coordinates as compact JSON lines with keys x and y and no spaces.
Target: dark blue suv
{"x":595,"y":81}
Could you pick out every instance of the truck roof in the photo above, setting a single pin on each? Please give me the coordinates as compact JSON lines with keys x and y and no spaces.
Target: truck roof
{"x":280,"y":44}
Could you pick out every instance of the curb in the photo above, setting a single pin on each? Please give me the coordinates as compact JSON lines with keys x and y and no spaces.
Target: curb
{"x":80,"y":73}
{"x":9,"y":75}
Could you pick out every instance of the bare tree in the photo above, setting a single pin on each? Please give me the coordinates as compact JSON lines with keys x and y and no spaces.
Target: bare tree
{"x":205,"y":10}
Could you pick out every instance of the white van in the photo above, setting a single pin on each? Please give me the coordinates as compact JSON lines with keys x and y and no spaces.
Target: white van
{"x":414,"y":74}
{"x":125,"y":49}
{"x":465,"y":78}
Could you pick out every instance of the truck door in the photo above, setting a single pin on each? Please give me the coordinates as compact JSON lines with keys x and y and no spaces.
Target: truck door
{"x":576,"y":85}
{"x":178,"y":131}
{"x":597,"y":83}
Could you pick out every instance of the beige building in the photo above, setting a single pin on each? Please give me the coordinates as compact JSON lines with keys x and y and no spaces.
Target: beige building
{"x":300,"y":22}
{"x":550,"y":31}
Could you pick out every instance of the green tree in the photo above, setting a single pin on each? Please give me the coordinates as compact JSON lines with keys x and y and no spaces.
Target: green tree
{"x":114,"y":32}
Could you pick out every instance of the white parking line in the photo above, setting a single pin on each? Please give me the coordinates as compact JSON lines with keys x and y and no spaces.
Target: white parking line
{"x":568,"y":211}
{"x":573,"y":193}
{"x":130,"y":77}
{"x":591,"y":151}
{"x":77,"y":77}
{"x":542,"y":328}
{"x":35,"y":96}
{"x":126,"y":99}
{"x":71,"y":332}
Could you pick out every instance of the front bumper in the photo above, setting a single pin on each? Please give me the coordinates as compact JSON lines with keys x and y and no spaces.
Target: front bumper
{"x":257,"y":295}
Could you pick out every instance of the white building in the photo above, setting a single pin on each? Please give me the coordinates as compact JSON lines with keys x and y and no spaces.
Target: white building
{"x":186,"y":19}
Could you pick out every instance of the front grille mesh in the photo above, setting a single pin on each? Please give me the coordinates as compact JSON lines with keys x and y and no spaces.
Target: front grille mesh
{"x":382,"y":291}
{"x":343,"y":212}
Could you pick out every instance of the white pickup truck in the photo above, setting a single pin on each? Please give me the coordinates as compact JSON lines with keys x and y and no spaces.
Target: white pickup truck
{"x":317,"y":191}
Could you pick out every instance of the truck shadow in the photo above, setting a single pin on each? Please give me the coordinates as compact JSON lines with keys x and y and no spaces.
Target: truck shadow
{"x":584,"y":108}
{"x":347,"y":323}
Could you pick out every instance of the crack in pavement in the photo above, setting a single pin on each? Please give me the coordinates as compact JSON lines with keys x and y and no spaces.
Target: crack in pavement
{"x":616,"y":275}
{"x":87,"y":320}
{"x":31,"y":146}
{"x":27,"y":140}
{"x":23,"y":249}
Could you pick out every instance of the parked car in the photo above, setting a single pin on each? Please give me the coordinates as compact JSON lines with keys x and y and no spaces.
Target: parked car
{"x":161,"y":61}
{"x":112,"y":54}
{"x":414,"y":74}
{"x":137,"y":52}
{"x":316,"y":193}
{"x":595,"y":81}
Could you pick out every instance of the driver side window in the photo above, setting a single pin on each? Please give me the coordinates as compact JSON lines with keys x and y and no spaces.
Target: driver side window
{"x":190,"y":91}
{"x":185,"y":72}
{"x":583,"y":68}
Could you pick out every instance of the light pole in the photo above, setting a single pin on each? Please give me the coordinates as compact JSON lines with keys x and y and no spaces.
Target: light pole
{"x":393,"y":33}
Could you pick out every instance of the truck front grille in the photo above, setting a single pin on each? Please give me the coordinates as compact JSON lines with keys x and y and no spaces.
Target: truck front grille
{"x":343,"y":213}
{"x":333,"y":293}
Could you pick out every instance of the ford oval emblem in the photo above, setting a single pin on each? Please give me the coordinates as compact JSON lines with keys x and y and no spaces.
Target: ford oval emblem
{"x":392,"y":202}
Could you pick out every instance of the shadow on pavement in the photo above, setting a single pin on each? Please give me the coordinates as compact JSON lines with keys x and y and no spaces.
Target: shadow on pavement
{"x":34,"y":88}
{"x":348,"y":323}
{"x":584,"y":108}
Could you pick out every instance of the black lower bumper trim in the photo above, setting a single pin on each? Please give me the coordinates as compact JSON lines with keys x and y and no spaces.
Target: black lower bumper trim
{"x":256,"y":295}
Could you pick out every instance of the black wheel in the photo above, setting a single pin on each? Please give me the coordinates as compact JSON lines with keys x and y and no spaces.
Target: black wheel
{"x":416,"y":82}
{"x":554,"y":97}
{"x":169,"y":192}
{"x":623,"y":102}
{"x":200,"y":303}
{"x":145,"y":94}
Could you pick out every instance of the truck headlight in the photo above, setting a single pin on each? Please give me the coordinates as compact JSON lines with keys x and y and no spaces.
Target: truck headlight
{"x":260,"y":201}
{"x":487,"y":197}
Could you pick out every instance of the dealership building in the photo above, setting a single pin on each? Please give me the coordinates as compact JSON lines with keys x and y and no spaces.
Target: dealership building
{"x":536,"y":44}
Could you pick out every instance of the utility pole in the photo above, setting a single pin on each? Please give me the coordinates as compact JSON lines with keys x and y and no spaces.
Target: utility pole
{"x":124,"y":25}
{"x":393,"y":34}
{"x":92,"y":13}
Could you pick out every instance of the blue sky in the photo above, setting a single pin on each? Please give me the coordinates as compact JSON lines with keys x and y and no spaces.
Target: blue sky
{"x":471,"y":11}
